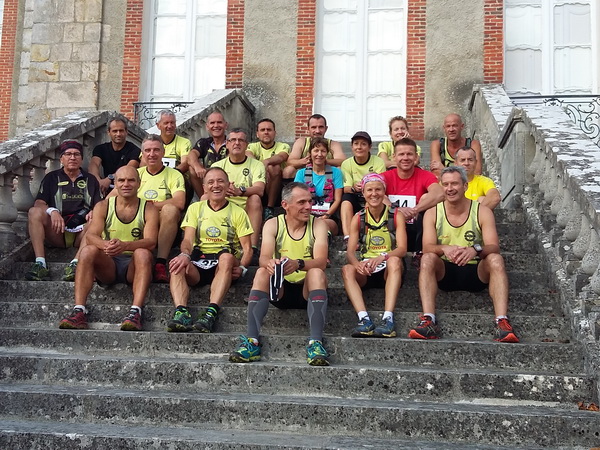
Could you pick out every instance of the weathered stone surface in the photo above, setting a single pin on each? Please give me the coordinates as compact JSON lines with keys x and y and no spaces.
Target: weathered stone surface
{"x":45,"y":33}
{"x":61,"y":52}
{"x":92,"y":32}
{"x":88,"y":10}
{"x":70,"y":71}
{"x":76,"y":94}
{"x":43,"y":72}
{"x":73,"y":32}
{"x":89,"y":51}
{"x":40,"y":52}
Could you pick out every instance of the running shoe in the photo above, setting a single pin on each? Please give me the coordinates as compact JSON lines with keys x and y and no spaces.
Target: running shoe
{"x":255,"y":256}
{"x":77,"y":320}
{"x":69,"y":273}
{"x":132,"y":321}
{"x":505,"y":332}
{"x":426,"y":329}
{"x":206,"y":323}
{"x":246,"y":351}
{"x":181,"y":322}
{"x":160,"y":273}
{"x":316,"y":354}
{"x":268,"y":213}
{"x":365,"y":328}
{"x":386,"y":328}
{"x":37,"y":272}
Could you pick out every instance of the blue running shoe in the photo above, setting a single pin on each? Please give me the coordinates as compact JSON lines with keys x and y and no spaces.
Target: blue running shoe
{"x":386,"y":328}
{"x":182,"y":320}
{"x":365,"y":328}
{"x":316,"y":354}
{"x":246,"y":351}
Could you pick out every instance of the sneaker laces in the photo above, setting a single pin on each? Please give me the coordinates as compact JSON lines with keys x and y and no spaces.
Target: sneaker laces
{"x":504,"y":325}
{"x":317,"y":348}
{"x":131,"y":314}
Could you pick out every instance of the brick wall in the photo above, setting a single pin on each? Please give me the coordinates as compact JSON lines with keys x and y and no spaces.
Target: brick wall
{"x":234,"y":58}
{"x":132,"y":56}
{"x":415,"y":66}
{"x":7,"y":62}
{"x":493,"y":42}
{"x":305,"y":63}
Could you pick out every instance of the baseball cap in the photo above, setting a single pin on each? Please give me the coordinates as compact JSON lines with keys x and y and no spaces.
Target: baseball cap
{"x":362,"y":135}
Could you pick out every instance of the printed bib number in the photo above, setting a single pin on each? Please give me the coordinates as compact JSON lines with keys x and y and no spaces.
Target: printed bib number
{"x":381,"y":266}
{"x":206,"y":264}
{"x":318,"y":209}
{"x":404,"y":201}
{"x":170,"y":162}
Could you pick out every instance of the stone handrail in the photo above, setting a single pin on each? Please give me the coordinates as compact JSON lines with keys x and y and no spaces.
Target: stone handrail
{"x":548,"y":165}
{"x":26,"y":158}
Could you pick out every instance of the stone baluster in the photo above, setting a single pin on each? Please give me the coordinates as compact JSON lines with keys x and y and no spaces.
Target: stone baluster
{"x":535,"y":163}
{"x":8,"y":212}
{"x":573,"y":227}
{"x":556,"y":204}
{"x":595,"y":281}
{"x":552,"y":186}
{"x":39,"y":171}
{"x":591,"y":259}
{"x":23,"y":200}
{"x":541,"y":169}
{"x":564,"y":215}
{"x":582,"y":243}
{"x":546,"y":176}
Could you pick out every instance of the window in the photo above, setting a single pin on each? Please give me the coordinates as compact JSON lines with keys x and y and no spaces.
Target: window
{"x":551,"y":47}
{"x":361,"y":65}
{"x":187,"y":58}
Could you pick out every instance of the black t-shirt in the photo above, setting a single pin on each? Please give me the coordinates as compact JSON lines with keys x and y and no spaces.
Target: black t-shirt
{"x":58,"y":191}
{"x":112,"y":160}
{"x":208,"y":154}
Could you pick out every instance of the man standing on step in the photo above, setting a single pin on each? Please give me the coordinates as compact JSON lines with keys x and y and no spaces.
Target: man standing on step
{"x":247,"y":181}
{"x":481,"y":189}
{"x":300,"y":154}
{"x":215,"y":250}
{"x":291,"y":274}
{"x":443,"y":151}
{"x":61,"y":209}
{"x":111,"y":155}
{"x":118,"y":249}
{"x":273,"y":155}
{"x":164,"y":186}
{"x":461,"y":253}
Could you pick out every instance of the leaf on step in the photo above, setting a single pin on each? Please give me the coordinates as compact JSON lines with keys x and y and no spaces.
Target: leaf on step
{"x":588,"y":407}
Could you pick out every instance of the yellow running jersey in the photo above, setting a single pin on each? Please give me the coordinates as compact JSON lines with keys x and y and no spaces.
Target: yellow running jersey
{"x":262,"y":153}
{"x":479,"y":187}
{"x":115,"y":228}
{"x":306,"y":149}
{"x":288,"y":247}
{"x":388,"y":148}
{"x":161,"y":186}
{"x":467,"y":235}
{"x":354,"y":172}
{"x":377,"y":237}
{"x":244,"y":174}
{"x":218,"y":230}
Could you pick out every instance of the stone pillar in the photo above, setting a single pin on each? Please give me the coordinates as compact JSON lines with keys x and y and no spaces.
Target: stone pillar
{"x":8,"y":213}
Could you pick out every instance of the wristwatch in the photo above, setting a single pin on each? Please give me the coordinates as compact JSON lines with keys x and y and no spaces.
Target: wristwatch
{"x":300,"y":264}
{"x":478,"y":248}
{"x":243,"y":190}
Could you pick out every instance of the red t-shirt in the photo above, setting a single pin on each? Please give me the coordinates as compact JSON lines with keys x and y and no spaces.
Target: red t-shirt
{"x":416,"y":185}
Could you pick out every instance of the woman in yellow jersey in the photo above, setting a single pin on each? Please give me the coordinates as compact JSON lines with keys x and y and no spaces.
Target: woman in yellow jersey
{"x":380,"y":264}
{"x":326,"y":184}
{"x":398,"y":130}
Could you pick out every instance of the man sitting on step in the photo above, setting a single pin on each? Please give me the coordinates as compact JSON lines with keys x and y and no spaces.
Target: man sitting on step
{"x":461,"y":253}
{"x":119,"y":243}
{"x":481,"y":189}
{"x":291,"y":274}
{"x":215,"y":250}
{"x":61,"y":209}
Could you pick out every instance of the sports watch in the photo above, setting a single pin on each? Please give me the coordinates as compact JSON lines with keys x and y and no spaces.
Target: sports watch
{"x":300,"y":264}
{"x":478,"y":248}
{"x":243,"y":190}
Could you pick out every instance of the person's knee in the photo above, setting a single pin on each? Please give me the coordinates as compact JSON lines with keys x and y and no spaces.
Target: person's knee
{"x":394,"y":263}
{"x":495,"y":262}
{"x":274,"y":171}
{"x":142,"y":256}
{"x":289,"y":172}
{"x":226,"y":261}
{"x":169,"y":213}
{"x":429,"y":262}
{"x":261,"y":280}
{"x":254,"y":201}
{"x":316,"y":276}
{"x":348,"y":272}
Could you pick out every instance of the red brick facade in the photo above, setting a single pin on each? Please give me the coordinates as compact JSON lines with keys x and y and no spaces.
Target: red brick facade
{"x":7,"y":61}
{"x":132,"y":56}
{"x":305,"y":63}
{"x":415,"y":66}
{"x":234,"y":59}
{"x":493,"y":41}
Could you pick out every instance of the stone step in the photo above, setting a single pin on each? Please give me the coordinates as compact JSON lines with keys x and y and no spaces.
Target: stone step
{"x":455,"y":422}
{"x":339,"y":322}
{"x":294,"y":379}
{"x":43,"y":435}
{"x":544,"y":301}
{"x":449,"y":354}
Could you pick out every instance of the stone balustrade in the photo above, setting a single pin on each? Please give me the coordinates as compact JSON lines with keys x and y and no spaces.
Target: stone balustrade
{"x":546,"y":164}
{"x":25,"y":159}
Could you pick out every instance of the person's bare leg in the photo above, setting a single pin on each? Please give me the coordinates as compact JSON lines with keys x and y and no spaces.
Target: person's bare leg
{"x":140,"y":273}
{"x":393,"y":280}
{"x":432,"y":270}
{"x":93,"y":263}
{"x":491,"y":270}
{"x":169,"y":226}
{"x":254,"y":210}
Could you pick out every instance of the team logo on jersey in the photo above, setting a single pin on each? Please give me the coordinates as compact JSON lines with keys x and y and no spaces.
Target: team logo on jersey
{"x":62,"y":183}
{"x":150,"y":194}
{"x":377,"y":240}
{"x":246,"y":172}
{"x":136,"y":233}
{"x":213,"y":232}
{"x":371,"y":169}
{"x":469,"y":236}
{"x":81,"y":184}
{"x":162,"y":185}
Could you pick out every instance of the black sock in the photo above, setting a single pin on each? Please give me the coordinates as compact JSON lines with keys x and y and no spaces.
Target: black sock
{"x":161,"y":261}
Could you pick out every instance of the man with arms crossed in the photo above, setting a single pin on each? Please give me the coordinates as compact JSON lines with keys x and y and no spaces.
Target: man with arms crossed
{"x":461,"y":253}
{"x":118,"y":249}
{"x":294,"y":245}
{"x":215,"y":249}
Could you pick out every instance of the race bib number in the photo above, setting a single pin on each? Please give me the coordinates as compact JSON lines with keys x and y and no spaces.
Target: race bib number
{"x":404,"y":201}
{"x":170,"y":162}
{"x":320,"y":209}
{"x":206,"y":264}
{"x":381,"y":266}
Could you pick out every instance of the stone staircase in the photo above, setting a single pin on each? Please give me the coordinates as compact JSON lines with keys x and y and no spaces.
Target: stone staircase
{"x":103,"y":388}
